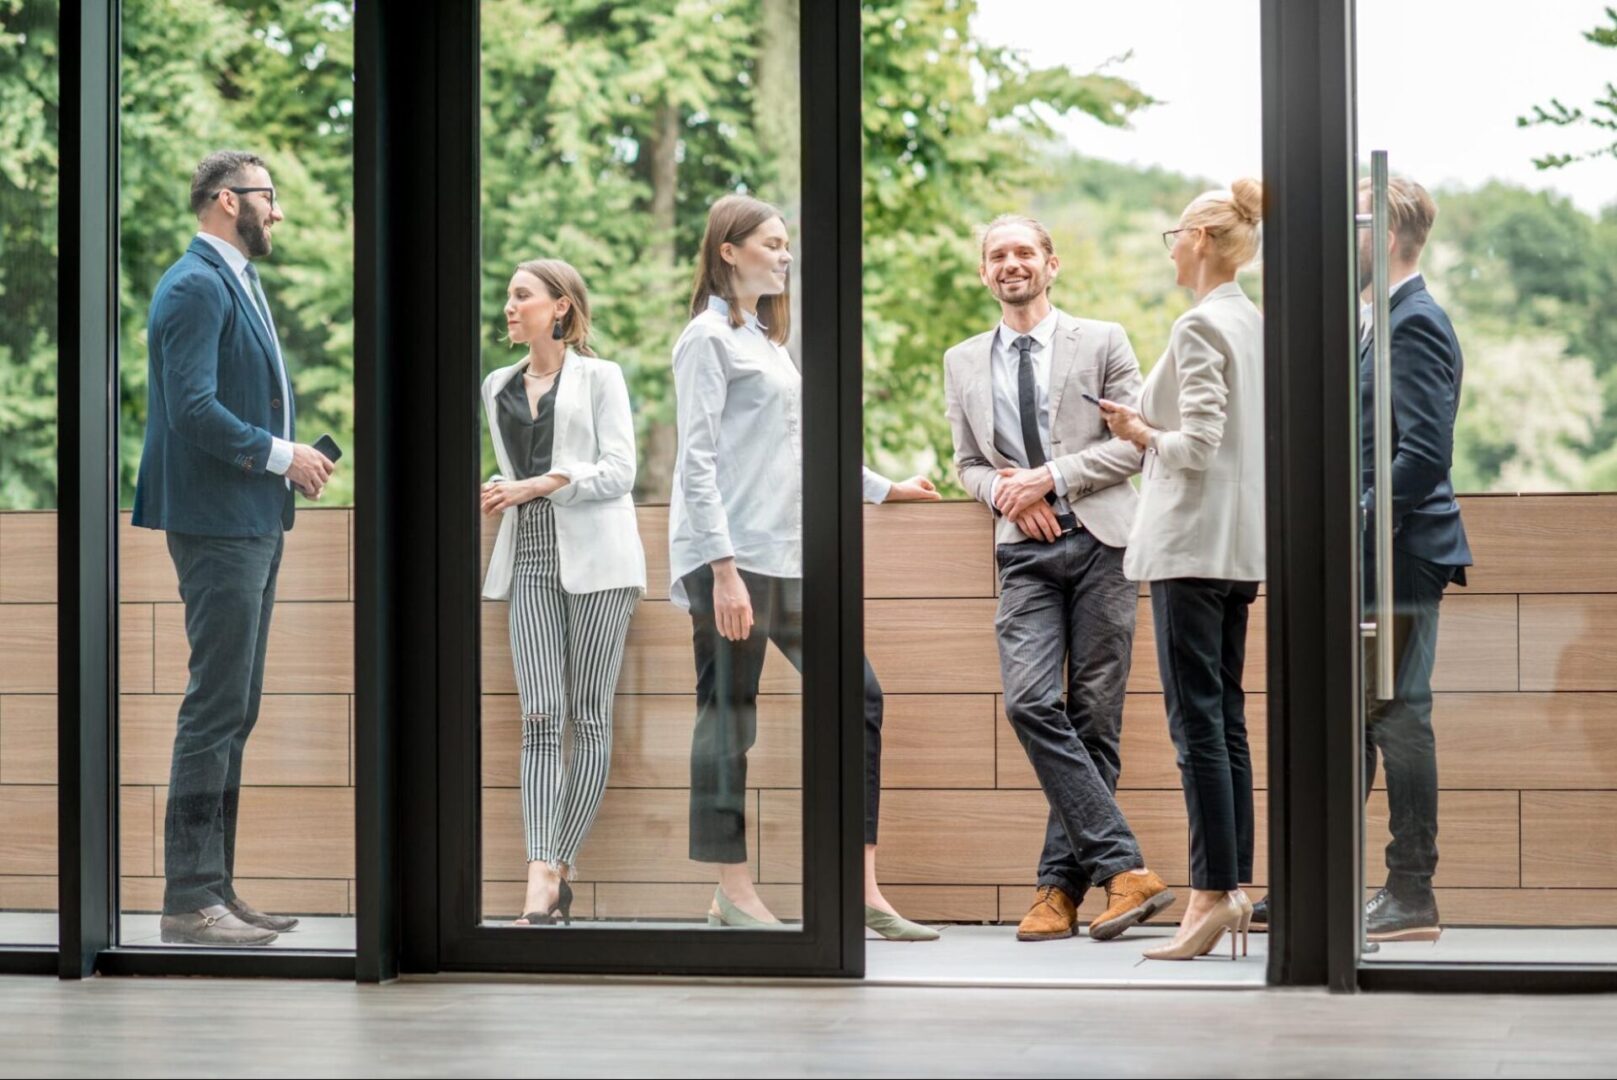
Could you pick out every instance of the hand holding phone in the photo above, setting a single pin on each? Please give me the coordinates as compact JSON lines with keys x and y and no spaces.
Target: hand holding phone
{"x":328,"y":446}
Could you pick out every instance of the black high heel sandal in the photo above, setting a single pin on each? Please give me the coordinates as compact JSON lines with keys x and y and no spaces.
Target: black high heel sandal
{"x":564,"y":905}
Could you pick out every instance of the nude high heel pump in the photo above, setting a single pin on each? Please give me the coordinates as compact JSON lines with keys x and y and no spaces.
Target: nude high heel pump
{"x":1225,"y":917}
{"x":1246,"y":921}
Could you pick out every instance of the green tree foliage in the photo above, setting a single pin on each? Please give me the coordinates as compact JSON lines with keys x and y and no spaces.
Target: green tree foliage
{"x":28,"y":138}
{"x":608,"y":130}
{"x":1602,"y":114}
{"x":956,"y":132}
{"x":1531,"y":283}
{"x":275,"y":78}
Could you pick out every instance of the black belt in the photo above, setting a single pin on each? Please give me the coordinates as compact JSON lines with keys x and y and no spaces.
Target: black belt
{"x":1068,"y":523}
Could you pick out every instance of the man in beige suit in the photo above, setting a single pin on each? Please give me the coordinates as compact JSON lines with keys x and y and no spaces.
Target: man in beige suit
{"x":1030,"y":446}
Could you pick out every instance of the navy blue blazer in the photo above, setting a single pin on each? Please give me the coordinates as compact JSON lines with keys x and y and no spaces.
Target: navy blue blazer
{"x":214,"y":397}
{"x":1427,"y":368}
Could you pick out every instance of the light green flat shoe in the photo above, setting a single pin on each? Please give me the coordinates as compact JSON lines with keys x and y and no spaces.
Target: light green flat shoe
{"x":896,"y":927}
{"x":732,"y":916}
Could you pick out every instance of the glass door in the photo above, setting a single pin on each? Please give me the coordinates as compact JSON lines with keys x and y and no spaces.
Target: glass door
{"x":646,"y":772}
{"x":1486,"y":438}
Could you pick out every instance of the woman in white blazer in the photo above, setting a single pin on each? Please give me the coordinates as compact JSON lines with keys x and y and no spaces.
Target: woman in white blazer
{"x":1198,"y":539}
{"x":568,"y":557}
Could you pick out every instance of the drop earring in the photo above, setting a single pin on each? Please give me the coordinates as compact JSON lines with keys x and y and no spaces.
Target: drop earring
{"x":556,"y":331}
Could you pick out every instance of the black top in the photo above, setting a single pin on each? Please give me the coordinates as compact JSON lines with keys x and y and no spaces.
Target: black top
{"x":528,"y":437}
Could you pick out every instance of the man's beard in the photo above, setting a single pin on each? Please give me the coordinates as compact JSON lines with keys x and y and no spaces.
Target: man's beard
{"x":250,"y":229}
{"x":1035,"y":289}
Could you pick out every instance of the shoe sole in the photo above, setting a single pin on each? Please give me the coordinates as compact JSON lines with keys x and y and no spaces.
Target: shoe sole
{"x":1414,"y":933}
{"x":1020,"y":936}
{"x":187,"y":939}
{"x":1106,"y":931}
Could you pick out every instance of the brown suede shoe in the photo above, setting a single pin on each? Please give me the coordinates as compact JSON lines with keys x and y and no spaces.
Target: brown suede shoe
{"x":1053,"y":915}
{"x":1134,"y":898}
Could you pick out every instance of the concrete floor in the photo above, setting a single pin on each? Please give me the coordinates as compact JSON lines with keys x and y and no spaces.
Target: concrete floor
{"x":504,"y":1027}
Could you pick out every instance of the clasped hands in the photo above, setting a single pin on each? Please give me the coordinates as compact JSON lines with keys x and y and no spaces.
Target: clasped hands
{"x":1019,"y":494}
{"x":501,"y":495}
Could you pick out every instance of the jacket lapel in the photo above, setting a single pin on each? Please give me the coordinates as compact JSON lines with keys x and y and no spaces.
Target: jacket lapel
{"x":981,"y":404}
{"x":1064,"y":352}
{"x":249,"y":309}
{"x":497,"y":383}
{"x":569,"y":385}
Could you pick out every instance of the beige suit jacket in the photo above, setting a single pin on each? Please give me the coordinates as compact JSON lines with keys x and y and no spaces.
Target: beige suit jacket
{"x":1202,"y":493}
{"x":1087,"y":356}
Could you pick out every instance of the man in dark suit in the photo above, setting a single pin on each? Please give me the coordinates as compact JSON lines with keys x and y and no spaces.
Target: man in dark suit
{"x":217,"y":475}
{"x":1429,"y":551}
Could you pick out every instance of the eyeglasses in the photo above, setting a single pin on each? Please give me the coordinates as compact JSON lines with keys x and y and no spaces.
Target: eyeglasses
{"x":245,"y":190}
{"x":1167,"y":237}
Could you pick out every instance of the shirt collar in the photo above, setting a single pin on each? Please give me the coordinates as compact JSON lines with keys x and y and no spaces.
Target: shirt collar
{"x":231,"y":254}
{"x":722,"y":306}
{"x":1229,"y":288}
{"x":1041,"y":334}
{"x":1392,"y":291}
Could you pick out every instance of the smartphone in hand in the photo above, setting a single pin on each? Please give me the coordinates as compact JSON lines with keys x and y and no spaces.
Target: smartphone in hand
{"x":1091,"y":398}
{"x":328,"y":446}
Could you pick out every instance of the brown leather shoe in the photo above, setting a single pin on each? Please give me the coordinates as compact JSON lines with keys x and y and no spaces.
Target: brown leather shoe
{"x":1134,"y":898}
{"x":200,"y":928}
{"x":253,"y":917}
{"x":1053,"y":915}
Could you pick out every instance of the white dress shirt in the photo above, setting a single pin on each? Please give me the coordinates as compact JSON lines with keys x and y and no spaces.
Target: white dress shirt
{"x":738,"y":469}
{"x":876,"y":486}
{"x":280,"y":455}
{"x":1367,"y":312}
{"x":1007,"y":365}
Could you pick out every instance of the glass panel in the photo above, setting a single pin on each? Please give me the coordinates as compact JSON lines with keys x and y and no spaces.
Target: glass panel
{"x":1491,"y":819}
{"x":29,"y":95}
{"x":236,"y":635}
{"x":1104,"y":128}
{"x":610,"y":131}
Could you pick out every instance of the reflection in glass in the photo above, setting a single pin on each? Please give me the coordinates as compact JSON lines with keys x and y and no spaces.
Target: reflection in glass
{"x":28,"y":357}
{"x":1431,"y":550}
{"x":236,"y":810}
{"x":609,"y":131}
{"x":1490,"y":781}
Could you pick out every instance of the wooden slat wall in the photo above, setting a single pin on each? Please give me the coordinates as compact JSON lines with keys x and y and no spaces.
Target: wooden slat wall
{"x":1526,"y":720}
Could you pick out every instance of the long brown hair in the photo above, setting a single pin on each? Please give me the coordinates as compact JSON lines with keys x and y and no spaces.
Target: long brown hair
{"x":731,"y":220}
{"x":561,"y":280}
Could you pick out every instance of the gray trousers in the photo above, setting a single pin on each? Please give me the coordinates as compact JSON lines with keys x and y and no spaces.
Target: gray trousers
{"x":1066,"y":635}
{"x":228,"y":585}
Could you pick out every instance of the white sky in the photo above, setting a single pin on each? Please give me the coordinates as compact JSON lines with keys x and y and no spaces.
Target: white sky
{"x":1441,"y":83}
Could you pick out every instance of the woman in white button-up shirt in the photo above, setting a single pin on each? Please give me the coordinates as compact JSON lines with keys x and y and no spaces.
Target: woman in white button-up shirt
{"x":1198,"y":539}
{"x":736,"y":535}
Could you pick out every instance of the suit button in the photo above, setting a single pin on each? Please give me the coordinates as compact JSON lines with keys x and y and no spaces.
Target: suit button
{"x":275,"y":403}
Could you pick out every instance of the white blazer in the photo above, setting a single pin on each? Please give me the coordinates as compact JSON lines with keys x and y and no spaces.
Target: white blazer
{"x":1202,"y":485}
{"x":593,"y":446}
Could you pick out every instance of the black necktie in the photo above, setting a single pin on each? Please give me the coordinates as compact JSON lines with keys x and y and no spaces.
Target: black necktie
{"x":1027,"y":400}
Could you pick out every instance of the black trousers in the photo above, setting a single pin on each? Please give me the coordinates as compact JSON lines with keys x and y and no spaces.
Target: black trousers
{"x":228,"y":585}
{"x":1399,"y":730}
{"x":1201,"y":650}
{"x":727,"y":674}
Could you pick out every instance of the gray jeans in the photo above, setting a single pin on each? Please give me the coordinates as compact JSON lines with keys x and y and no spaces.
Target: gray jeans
{"x":1066,"y":634}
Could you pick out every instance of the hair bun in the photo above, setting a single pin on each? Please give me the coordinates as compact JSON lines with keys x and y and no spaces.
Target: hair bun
{"x":1248,"y":199}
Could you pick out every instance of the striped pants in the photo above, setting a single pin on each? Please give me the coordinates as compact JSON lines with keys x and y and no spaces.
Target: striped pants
{"x":568,"y":649}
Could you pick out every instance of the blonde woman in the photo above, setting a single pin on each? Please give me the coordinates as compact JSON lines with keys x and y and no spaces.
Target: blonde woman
{"x":568,"y":556}
{"x":1198,"y":539}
